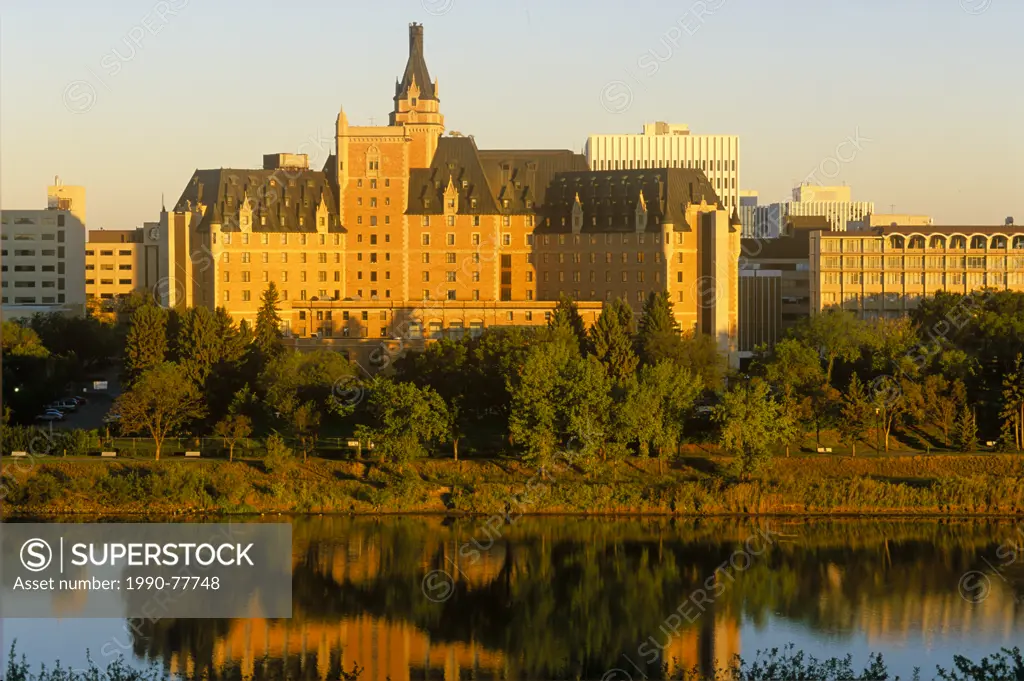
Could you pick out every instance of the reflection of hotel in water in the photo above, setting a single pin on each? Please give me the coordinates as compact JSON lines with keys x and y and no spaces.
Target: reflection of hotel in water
{"x":397,"y":651}
{"x":400,"y":652}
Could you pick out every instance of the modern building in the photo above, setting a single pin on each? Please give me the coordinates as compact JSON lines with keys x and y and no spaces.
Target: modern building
{"x":662,"y":145}
{"x":407,"y":234}
{"x":885,"y":272}
{"x":748,"y":212}
{"x":118,"y":262}
{"x":832,"y":203}
{"x":43,"y":256}
{"x":775,"y":283}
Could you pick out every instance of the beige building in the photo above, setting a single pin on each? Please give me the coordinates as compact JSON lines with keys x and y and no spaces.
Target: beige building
{"x":890,"y":219}
{"x":664,"y":145}
{"x":407,"y":234}
{"x":118,"y":262}
{"x":887,"y":271}
{"x":43,"y":255}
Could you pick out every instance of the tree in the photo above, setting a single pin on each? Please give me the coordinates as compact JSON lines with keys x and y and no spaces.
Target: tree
{"x":161,"y":402}
{"x":659,"y":336}
{"x":1013,"y":403}
{"x":199,"y":344}
{"x":566,"y":319}
{"x":146,"y":343}
{"x":855,"y":414}
{"x":966,"y":430}
{"x":403,"y":420}
{"x":752,"y":423}
{"x":835,"y":334}
{"x":305,"y":424}
{"x":611,"y":338}
{"x":657,"y":405}
{"x":231,"y":429}
{"x":699,"y":353}
{"x":268,"y":324}
{"x":795,"y":373}
{"x":939,"y":402}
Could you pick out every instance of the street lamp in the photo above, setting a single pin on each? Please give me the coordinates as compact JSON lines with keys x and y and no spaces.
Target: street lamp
{"x":878,"y":431}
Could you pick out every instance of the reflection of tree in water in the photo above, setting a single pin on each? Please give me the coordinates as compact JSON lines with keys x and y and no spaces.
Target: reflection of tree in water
{"x":565,"y":597}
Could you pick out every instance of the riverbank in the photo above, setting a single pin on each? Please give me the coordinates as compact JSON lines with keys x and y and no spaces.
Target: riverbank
{"x":690,"y":486}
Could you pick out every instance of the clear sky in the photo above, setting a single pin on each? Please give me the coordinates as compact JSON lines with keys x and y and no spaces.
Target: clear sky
{"x":128,"y":97}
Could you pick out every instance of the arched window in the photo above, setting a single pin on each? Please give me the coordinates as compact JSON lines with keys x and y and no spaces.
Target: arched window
{"x":896,"y":241}
{"x":958,"y":242}
{"x":373,"y":161}
{"x":937,"y":241}
{"x":1018,"y":242}
{"x":916,"y":242}
{"x":979,"y":242}
{"x":999,"y":242}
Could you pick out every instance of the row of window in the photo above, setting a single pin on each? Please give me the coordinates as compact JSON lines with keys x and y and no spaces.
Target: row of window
{"x":32,"y":268}
{"x":973,"y":279}
{"x":283,"y":238}
{"x":938,"y":262}
{"x":31,"y":252}
{"x":246,"y":257}
{"x":707,"y":166}
{"x":109,"y":266}
{"x":31,"y":300}
{"x":58,"y":284}
{"x":108,"y":282}
{"x":90,"y":253}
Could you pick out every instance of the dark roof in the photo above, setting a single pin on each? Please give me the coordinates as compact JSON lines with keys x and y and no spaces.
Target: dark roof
{"x":793,"y":246}
{"x":415,"y":68}
{"x":807,"y":222}
{"x":614,"y":194}
{"x":114,"y":236}
{"x":282,"y":196}
{"x":491,"y":177}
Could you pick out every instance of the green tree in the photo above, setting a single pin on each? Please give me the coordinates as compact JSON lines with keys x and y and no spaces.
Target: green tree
{"x":856,"y":412}
{"x":659,"y":337}
{"x":795,"y":373}
{"x":966,"y":430}
{"x":1013,"y":403}
{"x":304,"y":422}
{"x":752,"y":422}
{"x":699,"y":353}
{"x":235,"y":425}
{"x":146,"y":343}
{"x":21,"y":341}
{"x":199,"y":344}
{"x":938,"y":402}
{"x":403,"y":420}
{"x":566,"y":319}
{"x":835,"y":334}
{"x":267,"y":334}
{"x":161,"y":402}
{"x":611,"y":338}
{"x":657,"y":405}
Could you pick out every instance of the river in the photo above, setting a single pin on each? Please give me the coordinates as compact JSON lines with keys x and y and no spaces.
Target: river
{"x":613,"y":599}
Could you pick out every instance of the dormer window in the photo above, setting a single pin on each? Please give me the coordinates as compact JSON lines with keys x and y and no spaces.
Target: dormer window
{"x":504,"y":203}
{"x":414,"y":100}
{"x":472,"y":203}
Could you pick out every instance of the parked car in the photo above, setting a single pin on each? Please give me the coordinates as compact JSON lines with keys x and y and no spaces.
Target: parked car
{"x":111,"y":418}
{"x":64,"y":405}
{"x":79,"y":400}
{"x":50,"y":415}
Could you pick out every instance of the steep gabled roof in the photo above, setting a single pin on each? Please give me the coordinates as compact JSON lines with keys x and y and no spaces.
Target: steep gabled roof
{"x":281,"y":196}
{"x":456,"y":158}
{"x":612,"y":196}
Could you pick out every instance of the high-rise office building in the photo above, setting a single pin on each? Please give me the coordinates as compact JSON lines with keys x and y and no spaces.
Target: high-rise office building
{"x":835,"y":204}
{"x":662,"y":145}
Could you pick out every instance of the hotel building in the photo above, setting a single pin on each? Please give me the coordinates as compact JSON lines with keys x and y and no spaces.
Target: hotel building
{"x":120,"y":261}
{"x":407,"y":234}
{"x":885,"y":272}
{"x":662,"y":145}
{"x":43,"y":255}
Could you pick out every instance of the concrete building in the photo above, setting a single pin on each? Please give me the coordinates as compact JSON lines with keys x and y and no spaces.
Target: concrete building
{"x":662,"y":145}
{"x":775,"y":283}
{"x":886,"y":272}
{"x":748,"y":212}
{"x":118,"y":262}
{"x":835,"y":204}
{"x":890,"y":219}
{"x":407,"y":234}
{"x":43,"y":256}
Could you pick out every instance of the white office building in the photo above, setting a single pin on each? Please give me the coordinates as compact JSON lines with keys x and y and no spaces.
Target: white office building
{"x":672,"y":146}
{"x":43,"y":256}
{"x":835,"y":204}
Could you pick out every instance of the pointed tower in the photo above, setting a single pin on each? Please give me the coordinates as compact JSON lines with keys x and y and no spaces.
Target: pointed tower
{"x":641,"y":214}
{"x":416,"y":103}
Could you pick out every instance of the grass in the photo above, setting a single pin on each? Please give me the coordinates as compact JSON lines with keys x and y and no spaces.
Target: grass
{"x":692,"y":484}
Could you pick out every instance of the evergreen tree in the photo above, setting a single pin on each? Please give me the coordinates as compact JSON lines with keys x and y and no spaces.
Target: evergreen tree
{"x":146,"y":343}
{"x":966,"y":430}
{"x":612,"y":342}
{"x":268,"y":324}
{"x":659,"y":336}
{"x":1013,"y":404}
{"x":199,"y":344}
{"x":856,"y":412}
{"x":566,"y":319}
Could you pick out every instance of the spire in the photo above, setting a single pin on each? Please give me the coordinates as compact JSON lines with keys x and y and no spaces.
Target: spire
{"x":416,"y":68}
{"x":734,"y":221}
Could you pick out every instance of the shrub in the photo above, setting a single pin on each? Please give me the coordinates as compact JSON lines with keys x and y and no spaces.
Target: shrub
{"x":279,"y":458}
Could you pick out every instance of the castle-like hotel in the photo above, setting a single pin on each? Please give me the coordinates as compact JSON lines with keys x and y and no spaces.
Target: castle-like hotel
{"x":407,"y":233}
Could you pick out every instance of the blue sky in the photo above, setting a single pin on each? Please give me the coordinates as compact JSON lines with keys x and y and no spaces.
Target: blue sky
{"x":128,"y":97}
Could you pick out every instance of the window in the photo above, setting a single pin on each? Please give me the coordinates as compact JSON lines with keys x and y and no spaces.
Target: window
{"x":426,"y":240}
{"x":450,"y":239}
{"x":449,"y":258}
{"x":449,"y":277}
{"x":451,"y":294}
{"x":246,"y":296}
{"x":506,"y":239}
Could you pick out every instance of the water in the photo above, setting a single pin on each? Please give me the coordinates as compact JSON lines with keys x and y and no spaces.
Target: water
{"x":418,"y":598}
